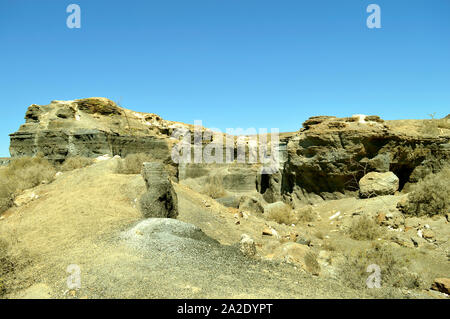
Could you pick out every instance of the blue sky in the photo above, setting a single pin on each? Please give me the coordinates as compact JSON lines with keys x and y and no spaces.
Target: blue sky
{"x":229,"y":63}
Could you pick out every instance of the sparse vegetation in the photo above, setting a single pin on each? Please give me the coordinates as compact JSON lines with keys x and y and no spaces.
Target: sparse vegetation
{"x":132,"y":164}
{"x":364,"y":228}
{"x":23,"y":173}
{"x":311,"y":263}
{"x":283,"y":214}
{"x":6,"y":266}
{"x":393,"y":267}
{"x":435,"y":127}
{"x":319,"y":234}
{"x":430,"y":196}
{"x":329,"y":245}
{"x":6,"y":195}
{"x":305,"y":214}
{"x":76,"y":162}
{"x":214,"y":187}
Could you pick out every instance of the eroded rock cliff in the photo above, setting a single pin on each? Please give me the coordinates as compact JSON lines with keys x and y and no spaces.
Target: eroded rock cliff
{"x":329,"y":155}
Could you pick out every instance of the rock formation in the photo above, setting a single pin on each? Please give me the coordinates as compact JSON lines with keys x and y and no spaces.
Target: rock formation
{"x":329,"y":155}
{"x":160,"y":200}
{"x":90,"y":127}
{"x":325,"y":159}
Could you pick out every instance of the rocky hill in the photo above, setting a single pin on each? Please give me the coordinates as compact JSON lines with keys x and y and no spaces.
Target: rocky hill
{"x":348,"y":193}
{"x":323,"y":160}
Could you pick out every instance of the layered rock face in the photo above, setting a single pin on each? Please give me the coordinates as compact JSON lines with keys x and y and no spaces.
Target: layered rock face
{"x":160,"y":200}
{"x":90,"y":127}
{"x":328,"y":157}
{"x":324,"y":160}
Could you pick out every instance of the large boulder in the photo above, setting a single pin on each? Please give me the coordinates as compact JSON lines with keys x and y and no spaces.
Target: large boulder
{"x":376,"y":184}
{"x":160,"y":200}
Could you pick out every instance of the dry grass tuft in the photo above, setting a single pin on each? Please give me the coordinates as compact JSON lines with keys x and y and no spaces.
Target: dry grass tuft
{"x":430,"y":196}
{"x":393,"y":269}
{"x":311,"y":263}
{"x":7,"y":266}
{"x":364,"y":228}
{"x":283,"y":214}
{"x":305,"y":214}
{"x":214,"y":187}
{"x":23,"y":173}
{"x":132,"y":164}
{"x":76,"y":162}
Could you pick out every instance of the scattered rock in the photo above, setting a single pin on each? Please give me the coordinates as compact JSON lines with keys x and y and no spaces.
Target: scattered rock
{"x":334,"y":216}
{"x":251,"y":204}
{"x":25,"y":198}
{"x":381,"y":217}
{"x":247,"y":245}
{"x":412,"y":222}
{"x":303,"y":241}
{"x":269,"y":231}
{"x":427,"y":234}
{"x":102,"y":158}
{"x":376,"y":184}
{"x":442,"y":285}
{"x":298,"y":254}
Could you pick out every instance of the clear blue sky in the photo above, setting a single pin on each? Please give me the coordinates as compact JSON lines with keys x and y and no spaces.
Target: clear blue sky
{"x":229,"y":63}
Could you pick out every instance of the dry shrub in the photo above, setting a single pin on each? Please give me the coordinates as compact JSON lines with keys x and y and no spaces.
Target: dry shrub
{"x":282,"y":215}
{"x":305,"y":214}
{"x":430,"y":196}
{"x":430,"y":127}
{"x":7,"y":266}
{"x":23,"y":173}
{"x":6,"y":195}
{"x":393,"y":266}
{"x":132,"y":164}
{"x":214,"y":187}
{"x":329,"y":245}
{"x":364,"y":228}
{"x":319,"y":234}
{"x":76,"y":162}
{"x":311,"y":263}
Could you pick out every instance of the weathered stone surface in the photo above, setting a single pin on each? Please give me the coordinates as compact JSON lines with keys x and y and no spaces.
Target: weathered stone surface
{"x":90,"y":127}
{"x":247,"y":246}
{"x":375,"y":184}
{"x":442,"y":285}
{"x":160,"y":200}
{"x":251,"y":204}
{"x":323,"y":160}
{"x":328,"y":157}
{"x":168,"y":235}
{"x":235,"y":177}
{"x":298,"y":254}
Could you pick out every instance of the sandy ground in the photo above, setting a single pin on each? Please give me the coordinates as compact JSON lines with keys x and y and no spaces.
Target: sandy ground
{"x":78,"y":219}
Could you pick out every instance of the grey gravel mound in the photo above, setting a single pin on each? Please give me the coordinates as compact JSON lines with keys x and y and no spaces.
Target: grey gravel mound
{"x":167,"y":235}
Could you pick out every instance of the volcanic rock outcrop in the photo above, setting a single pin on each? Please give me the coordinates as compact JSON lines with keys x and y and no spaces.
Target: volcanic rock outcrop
{"x":90,"y":127}
{"x":160,"y":200}
{"x":329,"y":155}
{"x":323,"y":160}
